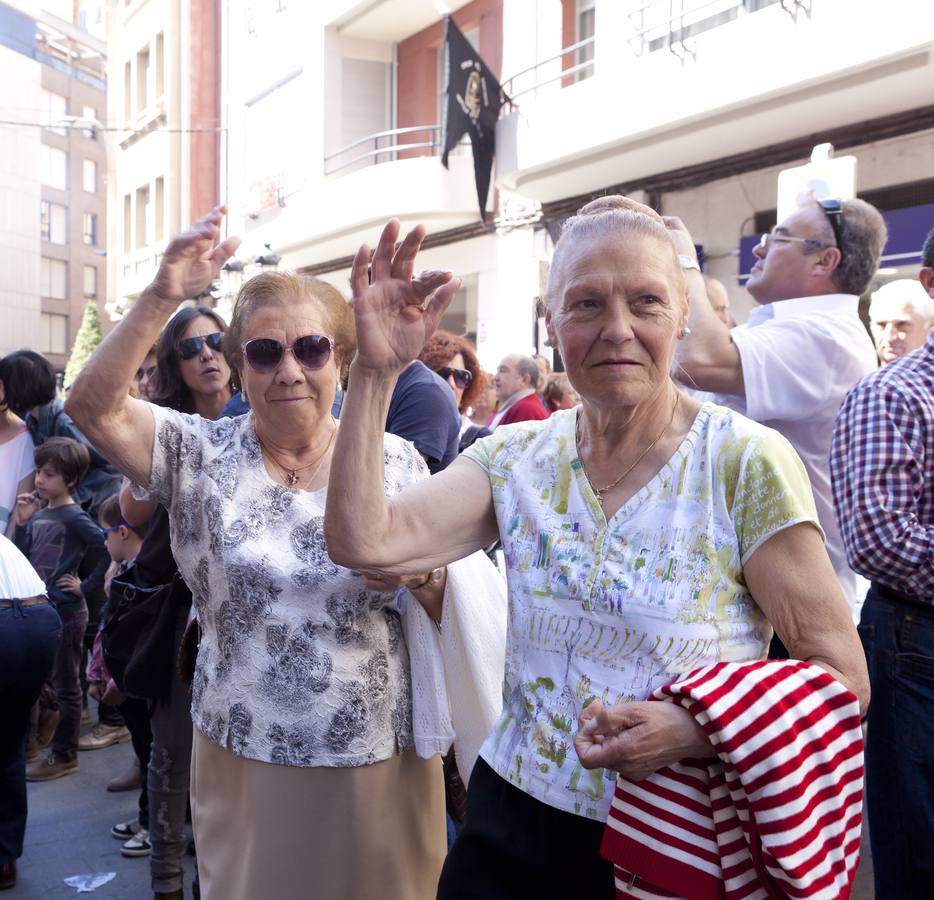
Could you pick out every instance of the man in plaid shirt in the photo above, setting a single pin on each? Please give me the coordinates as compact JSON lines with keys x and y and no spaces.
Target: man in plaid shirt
{"x":882,"y":462}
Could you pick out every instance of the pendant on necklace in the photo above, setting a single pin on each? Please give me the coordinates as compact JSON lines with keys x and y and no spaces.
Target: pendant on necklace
{"x":292,"y":478}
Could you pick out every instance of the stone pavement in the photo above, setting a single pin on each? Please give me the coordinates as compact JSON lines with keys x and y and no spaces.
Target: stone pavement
{"x":68,"y":833}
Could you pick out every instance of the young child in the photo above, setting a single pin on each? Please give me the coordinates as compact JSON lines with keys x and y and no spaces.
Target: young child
{"x":123,"y":543}
{"x":60,"y":540}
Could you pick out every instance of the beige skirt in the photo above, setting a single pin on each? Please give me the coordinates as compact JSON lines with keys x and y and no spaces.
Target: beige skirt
{"x":270,"y":832}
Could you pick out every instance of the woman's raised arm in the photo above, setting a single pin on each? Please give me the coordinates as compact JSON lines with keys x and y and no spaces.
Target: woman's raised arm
{"x":120,"y":427}
{"x":437,"y":520}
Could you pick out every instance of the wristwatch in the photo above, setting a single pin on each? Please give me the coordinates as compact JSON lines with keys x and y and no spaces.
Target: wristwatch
{"x":688,"y":262}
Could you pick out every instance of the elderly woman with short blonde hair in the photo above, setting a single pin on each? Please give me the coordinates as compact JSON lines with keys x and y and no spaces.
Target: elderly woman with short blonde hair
{"x":304,"y":776}
{"x":644,"y":535}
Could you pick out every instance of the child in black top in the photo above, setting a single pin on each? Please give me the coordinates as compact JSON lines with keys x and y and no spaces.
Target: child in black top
{"x":61,"y":541}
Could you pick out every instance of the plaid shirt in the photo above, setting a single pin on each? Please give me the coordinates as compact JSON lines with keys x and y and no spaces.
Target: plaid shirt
{"x":882,"y":461}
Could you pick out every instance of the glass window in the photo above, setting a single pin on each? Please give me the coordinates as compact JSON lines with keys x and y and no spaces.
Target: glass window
{"x":160,"y":65}
{"x":160,"y":209}
{"x":54,"y":219}
{"x":90,"y":281}
{"x":54,"y":109}
{"x":127,"y":92}
{"x":127,"y":223}
{"x":586,"y":22}
{"x":142,"y":80}
{"x":89,"y":176}
{"x":54,"y":167}
{"x":142,"y":217}
{"x":53,"y":278}
{"x":90,"y":229}
{"x":54,"y":333}
{"x":89,"y":113}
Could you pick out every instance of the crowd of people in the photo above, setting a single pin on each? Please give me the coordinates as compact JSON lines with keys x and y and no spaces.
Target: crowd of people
{"x":323,"y":572}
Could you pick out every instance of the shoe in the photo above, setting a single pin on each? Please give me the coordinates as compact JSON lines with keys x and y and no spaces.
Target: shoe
{"x":123,"y":831}
{"x":51,"y":766}
{"x":85,"y":715}
{"x":32,"y":750}
{"x":128,"y":781}
{"x":48,"y":722}
{"x":101,"y":736}
{"x":7,"y":876}
{"x":138,"y":845}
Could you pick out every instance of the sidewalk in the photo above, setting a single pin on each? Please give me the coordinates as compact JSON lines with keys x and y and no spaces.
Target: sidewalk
{"x":68,"y":833}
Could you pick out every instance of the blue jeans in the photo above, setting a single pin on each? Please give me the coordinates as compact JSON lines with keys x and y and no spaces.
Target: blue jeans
{"x":66,"y":678}
{"x":29,"y":639}
{"x":899,"y":642}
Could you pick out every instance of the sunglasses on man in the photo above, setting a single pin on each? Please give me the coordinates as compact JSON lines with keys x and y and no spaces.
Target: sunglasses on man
{"x":311,"y":351}
{"x":462,"y":377}
{"x":191,"y":347}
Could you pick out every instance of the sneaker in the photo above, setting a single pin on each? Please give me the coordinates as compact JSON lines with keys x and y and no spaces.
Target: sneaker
{"x":128,"y":781}
{"x":138,"y":845}
{"x":49,"y":767}
{"x":123,"y":831}
{"x":101,"y":736}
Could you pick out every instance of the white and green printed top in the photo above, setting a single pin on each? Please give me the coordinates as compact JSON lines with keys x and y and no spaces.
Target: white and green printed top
{"x":611,"y":611}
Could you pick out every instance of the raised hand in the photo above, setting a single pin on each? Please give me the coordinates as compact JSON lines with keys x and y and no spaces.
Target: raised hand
{"x":395,"y":312}
{"x":193,"y":259}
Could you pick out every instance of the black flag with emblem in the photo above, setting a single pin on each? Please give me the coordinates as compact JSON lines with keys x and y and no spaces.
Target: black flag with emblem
{"x":474,"y":98}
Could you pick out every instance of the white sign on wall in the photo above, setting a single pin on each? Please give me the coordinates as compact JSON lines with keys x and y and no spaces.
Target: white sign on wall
{"x":824,"y":176}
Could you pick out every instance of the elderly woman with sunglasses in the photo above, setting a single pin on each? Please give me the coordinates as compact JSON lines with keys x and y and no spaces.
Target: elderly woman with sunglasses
{"x":301,"y":699}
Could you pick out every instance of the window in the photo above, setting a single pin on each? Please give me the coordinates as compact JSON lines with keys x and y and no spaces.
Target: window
{"x":586,"y":21}
{"x":160,"y":65}
{"x":54,"y":167}
{"x":159,"y":229}
{"x":142,"y":80}
{"x":54,"y":219}
{"x":127,"y":223}
{"x":54,"y":109}
{"x":53,"y":278}
{"x":89,"y":176}
{"x":54,"y":333}
{"x":90,"y":281}
{"x":90,"y":229}
{"x":127,"y":92}
{"x":89,"y":113}
{"x":142,"y":217}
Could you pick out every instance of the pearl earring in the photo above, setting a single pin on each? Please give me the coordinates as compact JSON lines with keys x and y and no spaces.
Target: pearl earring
{"x":685,"y":332}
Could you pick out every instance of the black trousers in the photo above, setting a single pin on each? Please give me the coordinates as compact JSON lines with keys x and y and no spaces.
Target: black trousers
{"x":135,"y":713}
{"x":514,"y":847}
{"x":29,"y":640}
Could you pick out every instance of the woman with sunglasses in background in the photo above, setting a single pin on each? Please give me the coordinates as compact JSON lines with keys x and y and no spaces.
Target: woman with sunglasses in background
{"x":455,"y":361}
{"x":191,"y":376}
{"x":301,"y":697}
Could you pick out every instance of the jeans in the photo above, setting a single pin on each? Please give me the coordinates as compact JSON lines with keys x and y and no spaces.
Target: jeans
{"x":29,"y":640}
{"x":66,"y":678}
{"x":899,"y":642}
{"x":135,"y":713}
{"x":169,"y":771}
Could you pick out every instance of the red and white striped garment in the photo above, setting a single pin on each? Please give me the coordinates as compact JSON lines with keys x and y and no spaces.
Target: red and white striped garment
{"x":777,"y":814}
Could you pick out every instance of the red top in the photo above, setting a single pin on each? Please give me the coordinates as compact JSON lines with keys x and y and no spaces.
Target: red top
{"x":525,"y":410}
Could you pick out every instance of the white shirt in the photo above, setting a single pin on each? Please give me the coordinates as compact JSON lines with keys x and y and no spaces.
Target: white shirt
{"x":800,"y":357}
{"x":611,"y":610}
{"x":18,"y":579}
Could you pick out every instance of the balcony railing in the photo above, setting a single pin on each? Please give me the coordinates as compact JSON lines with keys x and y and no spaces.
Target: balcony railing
{"x":386,"y":146}
{"x":530,"y":80}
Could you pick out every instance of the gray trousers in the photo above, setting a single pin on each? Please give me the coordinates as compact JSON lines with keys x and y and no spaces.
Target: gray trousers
{"x":168,"y":782}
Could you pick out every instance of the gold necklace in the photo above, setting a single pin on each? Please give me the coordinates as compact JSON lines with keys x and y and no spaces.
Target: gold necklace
{"x":600,"y":492}
{"x":291,"y":475}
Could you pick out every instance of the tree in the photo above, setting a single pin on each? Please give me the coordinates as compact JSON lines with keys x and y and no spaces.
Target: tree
{"x":88,"y":337}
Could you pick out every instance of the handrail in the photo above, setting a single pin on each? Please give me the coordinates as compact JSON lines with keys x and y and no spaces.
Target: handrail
{"x":433,"y":145}
{"x":381,"y":134}
{"x":543,"y":62}
{"x":565,"y":73}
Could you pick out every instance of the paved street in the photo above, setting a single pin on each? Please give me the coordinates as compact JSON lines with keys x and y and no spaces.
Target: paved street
{"x":69,"y":834}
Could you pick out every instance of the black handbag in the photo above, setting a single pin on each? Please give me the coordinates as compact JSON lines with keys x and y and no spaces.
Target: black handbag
{"x":139,"y":636}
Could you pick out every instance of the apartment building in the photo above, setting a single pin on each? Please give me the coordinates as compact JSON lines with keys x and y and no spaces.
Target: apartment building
{"x":52,"y":170}
{"x":695,"y":106}
{"x":165,"y":143}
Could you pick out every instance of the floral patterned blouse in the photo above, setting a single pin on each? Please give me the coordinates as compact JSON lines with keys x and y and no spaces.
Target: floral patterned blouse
{"x":299,"y":664}
{"x":611,"y":611}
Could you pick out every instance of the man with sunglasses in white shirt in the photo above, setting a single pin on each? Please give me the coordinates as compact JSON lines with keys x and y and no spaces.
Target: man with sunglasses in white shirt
{"x":804,"y":346}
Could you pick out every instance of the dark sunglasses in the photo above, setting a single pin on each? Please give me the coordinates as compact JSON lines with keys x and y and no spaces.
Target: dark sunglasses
{"x":833,"y":209}
{"x":145,"y":373}
{"x":311,"y":351}
{"x":191,"y":347}
{"x":462,"y":377}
